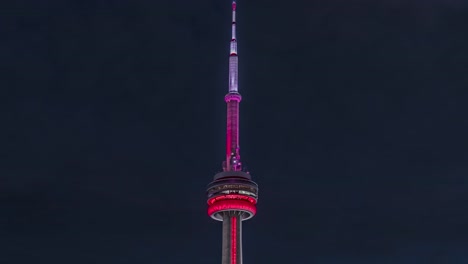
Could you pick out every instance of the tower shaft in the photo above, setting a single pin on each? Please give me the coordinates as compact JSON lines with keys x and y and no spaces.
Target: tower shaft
{"x":232,"y":238}
{"x":232,"y":195}
{"x":232,"y":162}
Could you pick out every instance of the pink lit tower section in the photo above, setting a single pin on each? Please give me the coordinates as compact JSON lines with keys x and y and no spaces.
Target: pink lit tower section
{"x":232,"y":195}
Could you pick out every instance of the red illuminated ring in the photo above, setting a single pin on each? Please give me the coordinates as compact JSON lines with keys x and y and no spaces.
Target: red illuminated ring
{"x":231,"y":205}
{"x":232,"y":197}
{"x":232,"y":96}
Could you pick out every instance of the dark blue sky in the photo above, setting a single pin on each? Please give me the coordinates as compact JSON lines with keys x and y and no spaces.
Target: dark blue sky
{"x":353,"y":123}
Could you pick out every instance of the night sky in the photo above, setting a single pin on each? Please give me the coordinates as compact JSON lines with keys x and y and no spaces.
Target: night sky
{"x":353,"y":123}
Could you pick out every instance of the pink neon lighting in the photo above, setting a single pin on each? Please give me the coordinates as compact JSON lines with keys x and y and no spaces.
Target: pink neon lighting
{"x":232,"y":137}
{"x":233,"y":240}
{"x":234,"y":205}
{"x":232,"y":99}
{"x":232,"y":197}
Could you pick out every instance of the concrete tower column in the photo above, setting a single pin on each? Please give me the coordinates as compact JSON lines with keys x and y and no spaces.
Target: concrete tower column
{"x":232,"y":238}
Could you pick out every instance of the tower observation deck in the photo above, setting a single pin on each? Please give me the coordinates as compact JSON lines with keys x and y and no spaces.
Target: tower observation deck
{"x":232,"y":195}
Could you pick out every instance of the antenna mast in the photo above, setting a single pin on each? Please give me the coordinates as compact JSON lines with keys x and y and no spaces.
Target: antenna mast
{"x":233,"y":99}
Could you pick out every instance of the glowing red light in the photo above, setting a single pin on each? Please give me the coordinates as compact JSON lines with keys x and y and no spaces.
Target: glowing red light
{"x":232,"y":197}
{"x":233,"y":240}
{"x":234,"y":205}
{"x":234,"y":6}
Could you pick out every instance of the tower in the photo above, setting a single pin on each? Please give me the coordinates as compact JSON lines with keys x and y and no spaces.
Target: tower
{"x":232,"y":195}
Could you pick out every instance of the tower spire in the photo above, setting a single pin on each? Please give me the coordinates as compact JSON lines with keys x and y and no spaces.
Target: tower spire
{"x":233,"y":61}
{"x":232,"y":195}
{"x":233,"y":35}
{"x":233,"y":98}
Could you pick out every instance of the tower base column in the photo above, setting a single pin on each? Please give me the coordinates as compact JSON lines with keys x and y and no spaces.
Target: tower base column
{"x":232,"y":238}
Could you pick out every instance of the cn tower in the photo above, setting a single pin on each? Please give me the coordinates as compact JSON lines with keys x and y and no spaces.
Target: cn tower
{"x":232,"y":195}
